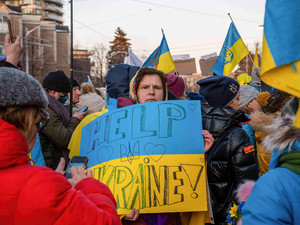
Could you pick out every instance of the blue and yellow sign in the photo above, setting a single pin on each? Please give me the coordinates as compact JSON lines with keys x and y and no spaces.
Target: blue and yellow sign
{"x":150,"y":155}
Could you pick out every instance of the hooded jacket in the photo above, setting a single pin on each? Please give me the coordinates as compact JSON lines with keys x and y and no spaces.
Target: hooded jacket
{"x":275,"y":198}
{"x":56,"y":135}
{"x":231,"y":162}
{"x":117,"y":83}
{"x":39,"y":195}
{"x":133,"y":99}
{"x":259,"y":123}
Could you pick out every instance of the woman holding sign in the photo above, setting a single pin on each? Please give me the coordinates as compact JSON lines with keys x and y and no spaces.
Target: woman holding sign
{"x":150,"y":85}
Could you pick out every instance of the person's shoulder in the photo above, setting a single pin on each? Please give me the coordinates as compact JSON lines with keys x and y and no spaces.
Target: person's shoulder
{"x":51,"y":111}
{"x":43,"y":179}
{"x":283,"y":181}
{"x":280,"y":175}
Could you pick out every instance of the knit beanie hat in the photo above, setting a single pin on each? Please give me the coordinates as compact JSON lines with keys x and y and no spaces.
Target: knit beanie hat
{"x":74,"y":83}
{"x":93,"y":101}
{"x":219,"y":90}
{"x":57,"y":81}
{"x":247,"y":94}
{"x":20,"y":89}
{"x":175,"y":85}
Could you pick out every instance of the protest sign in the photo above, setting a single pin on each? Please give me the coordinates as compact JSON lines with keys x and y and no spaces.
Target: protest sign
{"x":150,"y":155}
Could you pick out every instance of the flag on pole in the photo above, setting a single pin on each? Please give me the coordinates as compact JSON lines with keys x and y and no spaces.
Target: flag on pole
{"x":280,"y":64}
{"x":232,"y":52}
{"x":161,"y":58}
{"x":132,"y":59}
{"x":89,"y":80}
{"x":255,"y":60}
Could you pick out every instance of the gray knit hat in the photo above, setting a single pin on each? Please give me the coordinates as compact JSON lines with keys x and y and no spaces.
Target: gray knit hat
{"x":20,"y":89}
{"x":247,"y":94}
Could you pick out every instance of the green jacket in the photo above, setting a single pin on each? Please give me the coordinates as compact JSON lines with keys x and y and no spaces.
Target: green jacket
{"x":55,"y":138}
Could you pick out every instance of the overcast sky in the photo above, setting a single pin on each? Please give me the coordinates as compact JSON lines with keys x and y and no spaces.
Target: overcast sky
{"x":195,"y":27}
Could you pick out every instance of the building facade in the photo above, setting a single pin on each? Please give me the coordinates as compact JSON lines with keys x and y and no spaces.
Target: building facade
{"x":49,"y":10}
{"x":46,"y":45}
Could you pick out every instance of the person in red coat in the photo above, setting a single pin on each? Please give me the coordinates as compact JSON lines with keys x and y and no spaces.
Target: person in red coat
{"x":34,"y":194}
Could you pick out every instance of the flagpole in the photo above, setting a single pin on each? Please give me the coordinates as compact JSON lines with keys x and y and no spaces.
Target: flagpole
{"x":240,"y":35}
{"x":232,"y":21}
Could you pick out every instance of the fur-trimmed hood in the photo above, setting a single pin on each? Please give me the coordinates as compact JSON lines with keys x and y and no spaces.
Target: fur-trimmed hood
{"x":283,"y":137}
{"x":260,"y":121}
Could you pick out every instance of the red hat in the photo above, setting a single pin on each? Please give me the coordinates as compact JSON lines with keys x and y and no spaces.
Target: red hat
{"x":175,"y":85}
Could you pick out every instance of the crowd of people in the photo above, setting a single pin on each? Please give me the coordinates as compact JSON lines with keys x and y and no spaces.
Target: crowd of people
{"x":248,"y":136}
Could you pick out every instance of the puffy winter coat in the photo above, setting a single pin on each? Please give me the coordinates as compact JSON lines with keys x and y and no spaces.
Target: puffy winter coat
{"x":39,"y":195}
{"x":275,"y":198}
{"x":229,"y":163}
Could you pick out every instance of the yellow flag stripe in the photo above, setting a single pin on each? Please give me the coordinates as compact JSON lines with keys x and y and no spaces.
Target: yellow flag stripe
{"x":284,"y":78}
{"x":255,"y":60}
{"x":166,"y":63}
{"x":239,"y":51}
{"x":74,"y":144}
{"x":267,"y":61}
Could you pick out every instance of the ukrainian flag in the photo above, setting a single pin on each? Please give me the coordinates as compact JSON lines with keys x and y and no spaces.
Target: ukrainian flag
{"x":280,"y":65}
{"x":233,"y":51}
{"x":255,"y":60}
{"x":161,"y":58}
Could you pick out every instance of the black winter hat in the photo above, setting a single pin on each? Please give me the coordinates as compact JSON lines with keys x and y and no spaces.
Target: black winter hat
{"x":57,"y":81}
{"x":74,"y":83}
{"x":219,"y":90}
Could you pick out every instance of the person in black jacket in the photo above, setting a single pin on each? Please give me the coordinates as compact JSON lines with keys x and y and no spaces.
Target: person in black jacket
{"x":232,"y":159}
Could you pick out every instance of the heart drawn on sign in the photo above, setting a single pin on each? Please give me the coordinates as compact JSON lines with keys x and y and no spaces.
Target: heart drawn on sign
{"x":192,"y":106}
{"x":104,"y":154}
{"x":155,"y":152}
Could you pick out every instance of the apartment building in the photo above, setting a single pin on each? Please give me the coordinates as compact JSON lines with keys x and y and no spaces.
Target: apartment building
{"x":49,"y":10}
{"x":46,"y":44}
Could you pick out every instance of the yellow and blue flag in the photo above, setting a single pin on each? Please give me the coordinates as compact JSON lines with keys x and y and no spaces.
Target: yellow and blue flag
{"x":255,"y":60}
{"x":161,"y":58}
{"x":280,"y":65}
{"x":233,"y":51}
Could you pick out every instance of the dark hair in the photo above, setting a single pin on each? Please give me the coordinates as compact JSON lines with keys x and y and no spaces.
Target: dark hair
{"x":151,"y":71}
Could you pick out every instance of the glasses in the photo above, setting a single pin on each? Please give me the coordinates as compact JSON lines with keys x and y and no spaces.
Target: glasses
{"x":43,"y":121}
